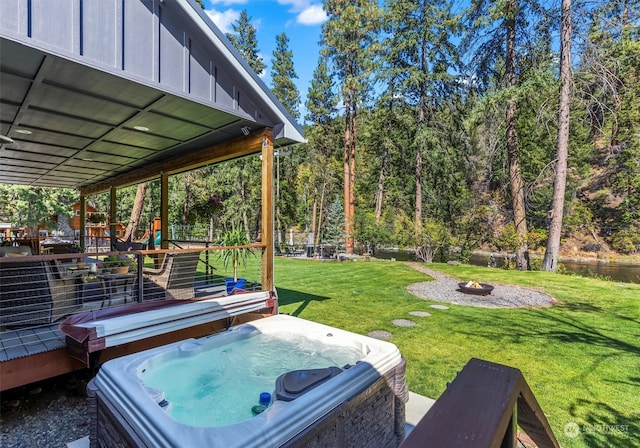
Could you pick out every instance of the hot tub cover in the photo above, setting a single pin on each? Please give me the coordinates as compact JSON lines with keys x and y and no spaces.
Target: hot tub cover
{"x":96,"y":330}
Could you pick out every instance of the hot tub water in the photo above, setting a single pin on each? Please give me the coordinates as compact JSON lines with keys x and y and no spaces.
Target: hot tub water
{"x":205,"y":388}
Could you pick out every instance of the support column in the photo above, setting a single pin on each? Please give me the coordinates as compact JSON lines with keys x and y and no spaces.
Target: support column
{"x":83,"y":223}
{"x":164,"y":210}
{"x":267,"y":212}
{"x":112,"y":216}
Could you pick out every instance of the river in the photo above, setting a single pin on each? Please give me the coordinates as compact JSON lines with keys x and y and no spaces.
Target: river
{"x":628,"y":273}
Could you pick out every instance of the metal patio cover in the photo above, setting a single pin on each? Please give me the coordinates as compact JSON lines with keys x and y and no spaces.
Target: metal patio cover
{"x":86,"y":78}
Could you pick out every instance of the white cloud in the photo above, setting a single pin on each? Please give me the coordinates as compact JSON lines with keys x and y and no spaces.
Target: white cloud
{"x":308,"y":13}
{"x":223,"y":19}
{"x":313,"y":15}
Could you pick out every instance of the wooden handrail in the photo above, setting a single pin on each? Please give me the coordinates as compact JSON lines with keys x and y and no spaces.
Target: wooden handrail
{"x":480,"y":408}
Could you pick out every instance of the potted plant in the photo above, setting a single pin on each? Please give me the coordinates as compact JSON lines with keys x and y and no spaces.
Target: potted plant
{"x":235,"y":256}
{"x":119,"y":264}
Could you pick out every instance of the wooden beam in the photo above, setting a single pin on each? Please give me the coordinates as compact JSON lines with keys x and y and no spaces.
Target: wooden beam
{"x":267,"y":212}
{"x":238,"y":147}
{"x":164,"y":211}
{"x":113,"y":198}
{"x":83,"y":223}
{"x":478,"y":406}
{"x":29,"y":369}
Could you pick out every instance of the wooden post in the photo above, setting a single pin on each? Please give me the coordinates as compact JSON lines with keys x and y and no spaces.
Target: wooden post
{"x":112,"y":216}
{"x":164,"y":210}
{"x":267,"y":212}
{"x":83,"y":223}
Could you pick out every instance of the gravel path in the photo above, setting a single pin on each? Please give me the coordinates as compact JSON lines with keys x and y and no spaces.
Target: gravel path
{"x":445,"y":289}
{"x":47,"y":414}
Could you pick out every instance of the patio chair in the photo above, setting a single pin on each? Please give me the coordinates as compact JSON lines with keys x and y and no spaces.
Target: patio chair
{"x":174,"y":279}
{"x":33,"y":293}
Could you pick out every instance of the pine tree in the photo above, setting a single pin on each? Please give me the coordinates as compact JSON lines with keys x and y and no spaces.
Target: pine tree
{"x":245,"y":40}
{"x":334,"y":231}
{"x":247,"y":180}
{"x":495,"y":33}
{"x":419,"y":57}
{"x":282,"y":76}
{"x":350,"y":38}
{"x":552,"y":252}
{"x":318,"y":175}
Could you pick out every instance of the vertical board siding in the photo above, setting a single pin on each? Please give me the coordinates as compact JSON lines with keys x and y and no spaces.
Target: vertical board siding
{"x":106,"y":46}
{"x":13,"y":16}
{"x":139,"y":39}
{"x":147,"y":39}
{"x":59,"y":29}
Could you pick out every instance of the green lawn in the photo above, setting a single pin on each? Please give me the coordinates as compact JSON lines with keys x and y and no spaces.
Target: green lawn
{"x":580,"y":357}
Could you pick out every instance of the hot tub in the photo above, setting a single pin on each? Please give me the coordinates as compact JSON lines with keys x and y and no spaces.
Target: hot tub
{"x":194,"y":392}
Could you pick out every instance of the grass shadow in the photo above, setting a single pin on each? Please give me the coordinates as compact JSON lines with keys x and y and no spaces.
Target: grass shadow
{"x":288,"y":297}
{"x":539,"y":323}
{"x":579,"y":306}
{"x":605,"y":426}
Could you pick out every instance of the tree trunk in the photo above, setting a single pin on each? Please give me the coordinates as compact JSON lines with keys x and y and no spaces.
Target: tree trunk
{"x":136,"y":212}
{"x":352,"y":183}
{"x":419,"y":146}
{"x":380,"y":189}
{"x":320,"y":217}
{"x":314,"y":213}
{"x":187,"y":200}
{"x":515,"y":175}
{"x":348,"y":193}
{"x":550,"y":261}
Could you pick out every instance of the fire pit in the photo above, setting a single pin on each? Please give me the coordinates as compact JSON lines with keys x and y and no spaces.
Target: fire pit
{"x":479,"y":289}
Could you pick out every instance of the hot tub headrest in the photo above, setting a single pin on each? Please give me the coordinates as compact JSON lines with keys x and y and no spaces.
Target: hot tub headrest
{"x":291,"y":385}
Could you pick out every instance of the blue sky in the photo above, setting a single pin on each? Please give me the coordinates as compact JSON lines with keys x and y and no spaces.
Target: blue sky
{"x":300,"y":20}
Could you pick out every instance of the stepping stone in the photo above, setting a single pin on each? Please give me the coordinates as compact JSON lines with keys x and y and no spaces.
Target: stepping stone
{"x":420,"y":313}
{"x":439,"y":307}
{"x":403,"y":323}
{"x":380,"y":334}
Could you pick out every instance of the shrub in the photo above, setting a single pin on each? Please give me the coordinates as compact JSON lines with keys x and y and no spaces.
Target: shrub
{"x":626,"y":241}
{"x":535,"y":264}
{"x":537,"y":238}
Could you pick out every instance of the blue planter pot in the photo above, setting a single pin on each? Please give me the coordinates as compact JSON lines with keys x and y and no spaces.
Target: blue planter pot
{"x":231,"y":285}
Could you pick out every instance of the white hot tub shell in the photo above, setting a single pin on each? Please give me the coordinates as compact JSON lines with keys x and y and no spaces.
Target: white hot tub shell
{"x":362,"y":406}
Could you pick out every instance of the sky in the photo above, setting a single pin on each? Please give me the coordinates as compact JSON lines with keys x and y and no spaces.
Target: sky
{"x":300,"y":20}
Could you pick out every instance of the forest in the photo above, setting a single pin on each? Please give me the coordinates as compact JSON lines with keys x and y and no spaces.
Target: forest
{"x":501,"y":125}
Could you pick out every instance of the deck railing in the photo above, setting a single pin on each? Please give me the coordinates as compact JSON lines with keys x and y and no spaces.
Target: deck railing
{"x":37,"y":292}
{"x":483,"y":408}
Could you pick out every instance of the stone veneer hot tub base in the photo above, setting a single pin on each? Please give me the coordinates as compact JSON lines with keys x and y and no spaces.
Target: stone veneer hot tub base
{"x":371,"y":413}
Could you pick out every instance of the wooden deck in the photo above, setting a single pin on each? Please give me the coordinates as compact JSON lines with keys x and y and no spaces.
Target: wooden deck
{"x":28,"y":355}
{"x":30,"y":341}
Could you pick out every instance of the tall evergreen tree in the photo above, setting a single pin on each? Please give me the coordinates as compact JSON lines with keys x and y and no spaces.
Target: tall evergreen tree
{"x":282,"y":76}
{"x":319,"y":175}
{"x":245,"y":40}
{"x":550,"y":262}
{"x":247,"y":170}
{"x":350,"y":37}
{"x":283,"y":87}
{"x":419,"y":57}
{"x":496,"y":33}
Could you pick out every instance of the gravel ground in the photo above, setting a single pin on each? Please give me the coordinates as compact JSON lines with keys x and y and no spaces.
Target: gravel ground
{"x":48,"y":414}
{"x":445,"y":289}
{"x":52,"y":413}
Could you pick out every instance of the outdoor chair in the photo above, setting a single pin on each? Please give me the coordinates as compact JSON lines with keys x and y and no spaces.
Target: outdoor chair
{"x":174,"y":279}
{"x":34,"y":293}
